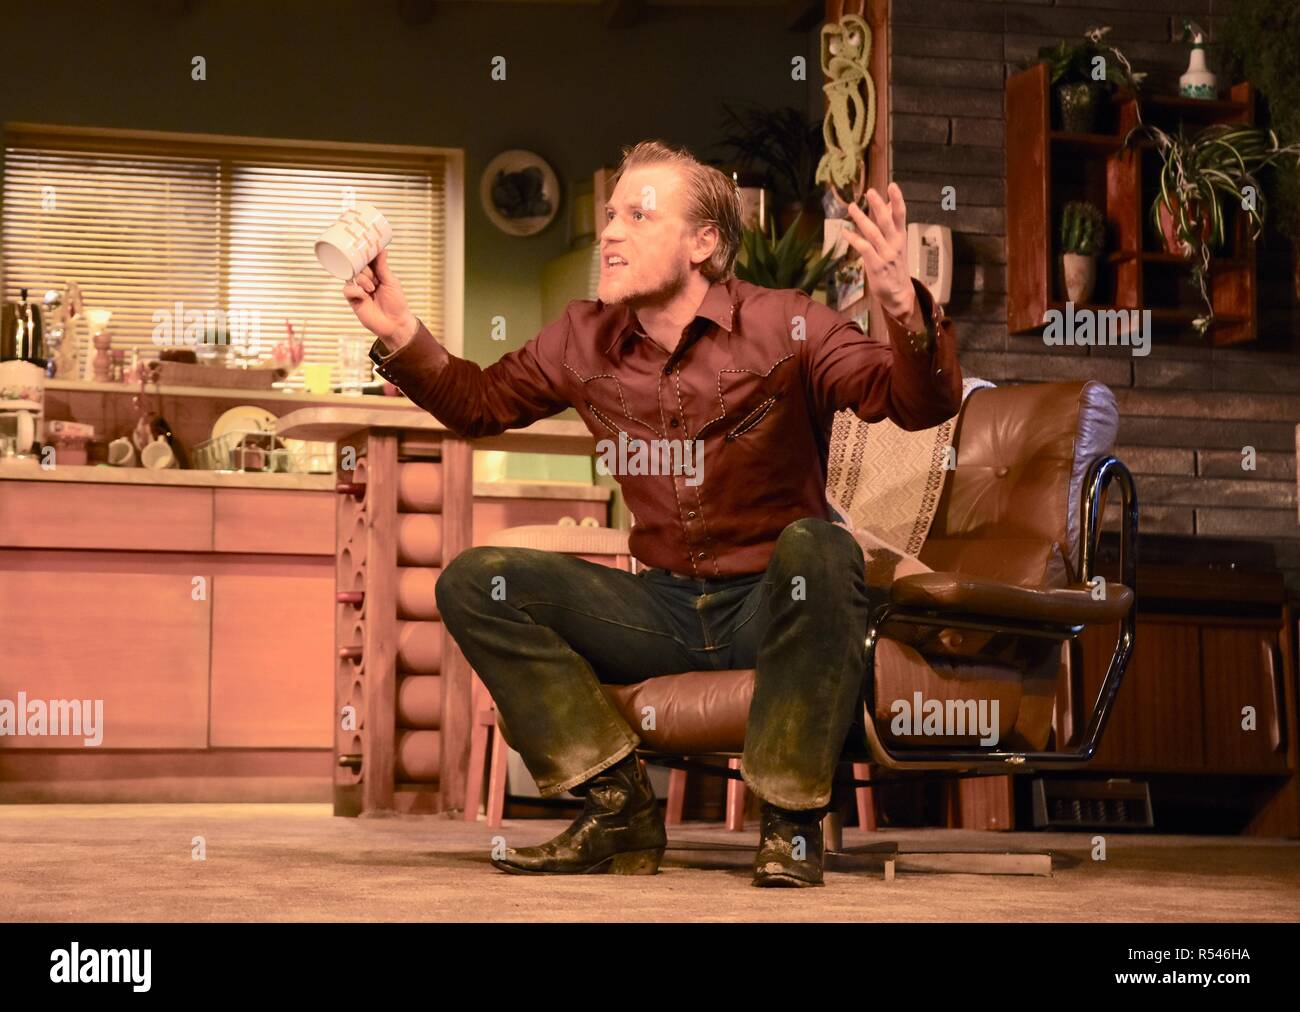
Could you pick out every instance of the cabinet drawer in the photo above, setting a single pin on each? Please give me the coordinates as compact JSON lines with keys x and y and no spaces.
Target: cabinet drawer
{"x":289,"y":522}
{"x":492,"y":515}
{"x":132,"y":646}
{"x":59,"y":514}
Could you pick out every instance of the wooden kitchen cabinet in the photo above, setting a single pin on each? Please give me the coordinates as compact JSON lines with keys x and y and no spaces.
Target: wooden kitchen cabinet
{"x":1242,"y":667}
{"x":1211,"y":642}
{"x":1158,"y":719}
{"x":1180,"y":708}
{"x":270,"y":642}
{"x":200,"y":608}
{"x":76,"y":628}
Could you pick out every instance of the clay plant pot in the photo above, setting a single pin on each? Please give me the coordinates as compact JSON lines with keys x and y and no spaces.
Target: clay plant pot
{"x":1169,"y":228}
{"x":1079,"y":274}
{"x":1079,"y":106}
{"x":810,"y":224}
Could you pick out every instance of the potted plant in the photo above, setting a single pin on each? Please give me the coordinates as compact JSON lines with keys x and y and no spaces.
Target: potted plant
{"x":788,"y":263}
{"x":1203,"y":175}
{"x":1081,"y":74}
{"x":782,"y":148}
{"x":1259,"y":46}
{"x":1083,"y":233}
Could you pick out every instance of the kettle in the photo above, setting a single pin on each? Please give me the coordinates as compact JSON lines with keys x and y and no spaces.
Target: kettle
{"x":22,"y":332}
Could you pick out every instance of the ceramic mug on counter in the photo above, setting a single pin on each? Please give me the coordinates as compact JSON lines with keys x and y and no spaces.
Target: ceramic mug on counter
{"x":121,"y":452}
{"x":353,"y":241}
{"x":158,"y":455}
{"x":18,"y":430}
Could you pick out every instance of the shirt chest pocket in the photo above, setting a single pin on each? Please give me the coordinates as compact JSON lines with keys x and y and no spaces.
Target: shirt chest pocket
{"x":617,"y":408}
{"x":747,"y":397}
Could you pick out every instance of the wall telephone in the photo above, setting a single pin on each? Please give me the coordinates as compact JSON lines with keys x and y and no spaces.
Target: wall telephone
{"x":929,"y":258}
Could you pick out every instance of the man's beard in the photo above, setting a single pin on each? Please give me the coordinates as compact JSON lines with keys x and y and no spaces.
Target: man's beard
{"x":663,"y":293}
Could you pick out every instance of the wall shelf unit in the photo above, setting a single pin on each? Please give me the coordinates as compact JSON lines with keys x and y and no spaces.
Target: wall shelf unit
{"x":1048,"y":167}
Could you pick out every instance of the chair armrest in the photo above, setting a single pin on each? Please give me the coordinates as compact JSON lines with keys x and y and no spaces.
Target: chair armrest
{"x":973,"y":596}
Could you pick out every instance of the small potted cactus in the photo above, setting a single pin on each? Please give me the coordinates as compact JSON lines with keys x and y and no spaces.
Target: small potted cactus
{"x":1083,"y":233}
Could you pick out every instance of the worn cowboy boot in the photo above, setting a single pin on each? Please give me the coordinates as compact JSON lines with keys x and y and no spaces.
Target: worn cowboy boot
{"x":776,"y":864}
{"x":620,"y":830}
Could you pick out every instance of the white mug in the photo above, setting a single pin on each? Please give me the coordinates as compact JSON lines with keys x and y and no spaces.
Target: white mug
{"x":121,"y":452}
{"x":353,"y":241}
{"x":23,"y":428}
{"x":158,"y":455}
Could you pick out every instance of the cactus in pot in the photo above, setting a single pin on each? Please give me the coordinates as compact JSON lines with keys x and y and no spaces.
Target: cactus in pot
{"x":1083,"y":234}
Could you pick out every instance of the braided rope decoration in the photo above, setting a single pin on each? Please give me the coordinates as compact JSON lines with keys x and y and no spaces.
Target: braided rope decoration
{"x":851,"y":117}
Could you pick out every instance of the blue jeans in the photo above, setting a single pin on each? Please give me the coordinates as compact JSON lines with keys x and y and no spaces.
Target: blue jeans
{"x":543,"y":630}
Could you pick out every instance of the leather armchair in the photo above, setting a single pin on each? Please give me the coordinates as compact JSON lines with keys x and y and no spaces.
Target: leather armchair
{"x":1014,"y":546}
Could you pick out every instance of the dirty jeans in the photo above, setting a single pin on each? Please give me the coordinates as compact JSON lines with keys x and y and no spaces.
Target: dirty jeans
{"x":543,"y":629}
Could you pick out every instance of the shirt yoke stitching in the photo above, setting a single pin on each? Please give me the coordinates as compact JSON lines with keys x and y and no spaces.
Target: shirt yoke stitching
{"x":621,"y":399}
{"x":754,"y":371}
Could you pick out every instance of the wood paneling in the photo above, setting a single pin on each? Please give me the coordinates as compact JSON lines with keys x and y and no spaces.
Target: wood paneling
{"x":1240,"y":664}
{"x":273,"y":522}
{"x":1157,"y":723}
{"x":136,"y":641}
{"x":272,"y":658}
{"x":492,"y":515}
{"x":94,"y":777}
{"x":37,"y":514}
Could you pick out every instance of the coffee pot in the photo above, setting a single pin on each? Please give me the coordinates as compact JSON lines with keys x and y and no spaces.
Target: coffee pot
{"x":22,"y":332}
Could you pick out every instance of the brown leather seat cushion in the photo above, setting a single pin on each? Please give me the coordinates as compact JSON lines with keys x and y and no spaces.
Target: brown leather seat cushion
{"x":707,"y":711}
{"x":695,"y":711}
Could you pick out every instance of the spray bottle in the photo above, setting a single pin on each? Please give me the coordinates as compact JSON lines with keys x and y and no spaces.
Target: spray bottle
{"x":1198,"y":81}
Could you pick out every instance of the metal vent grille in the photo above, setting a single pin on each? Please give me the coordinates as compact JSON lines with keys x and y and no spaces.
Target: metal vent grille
{"x":1092,"y":804}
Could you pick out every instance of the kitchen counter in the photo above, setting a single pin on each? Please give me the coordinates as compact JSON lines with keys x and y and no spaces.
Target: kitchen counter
{"x":227,"y":393}
{"x":27,"y":469}
{"x":330,"y":422}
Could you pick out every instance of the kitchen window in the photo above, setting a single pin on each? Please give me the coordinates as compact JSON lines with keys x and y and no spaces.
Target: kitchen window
{"x":149,"y":224}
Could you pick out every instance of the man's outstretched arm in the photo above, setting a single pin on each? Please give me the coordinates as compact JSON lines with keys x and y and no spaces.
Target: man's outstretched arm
{"x":515,"y":391}
{"x":913,"y":379}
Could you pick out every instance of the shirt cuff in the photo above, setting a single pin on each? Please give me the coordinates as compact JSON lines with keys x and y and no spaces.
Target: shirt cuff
{"x":904,"y":339}
{"x":418,"y":348}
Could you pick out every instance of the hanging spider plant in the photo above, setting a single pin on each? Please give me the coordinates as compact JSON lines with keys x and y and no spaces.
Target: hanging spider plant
{"x":1200,"y":176}
{"x":788,"y":263}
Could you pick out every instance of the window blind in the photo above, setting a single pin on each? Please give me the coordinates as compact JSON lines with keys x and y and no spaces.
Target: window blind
{"x":156,"y":226}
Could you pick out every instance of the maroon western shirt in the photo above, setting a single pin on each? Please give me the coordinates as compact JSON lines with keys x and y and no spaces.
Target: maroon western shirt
{"x":758,"y":377}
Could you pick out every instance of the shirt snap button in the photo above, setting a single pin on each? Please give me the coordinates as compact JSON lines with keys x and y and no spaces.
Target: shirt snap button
{"x":674,"y":423}
{"x":690,"y":515}
{"x":1002,"y":472}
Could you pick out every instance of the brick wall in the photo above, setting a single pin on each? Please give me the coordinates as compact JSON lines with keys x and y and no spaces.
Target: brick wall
{"x":1187,"y":410}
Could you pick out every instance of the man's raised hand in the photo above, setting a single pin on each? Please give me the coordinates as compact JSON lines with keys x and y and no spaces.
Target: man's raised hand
{"x":881,"y":241}
{"x":376,"y":296}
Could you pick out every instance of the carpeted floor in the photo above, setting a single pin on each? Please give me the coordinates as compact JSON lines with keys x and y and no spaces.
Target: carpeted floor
{"x":298,"y":862}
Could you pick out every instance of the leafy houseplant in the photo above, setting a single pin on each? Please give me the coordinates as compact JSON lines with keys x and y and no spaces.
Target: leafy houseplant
{"x":1201,"y":175}
{"x":1080,"y":71}
{"x":1259,"y":45}
{"x":788,"y":263}
{"x":782,"y":146}
{"x":1083,"y":233}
